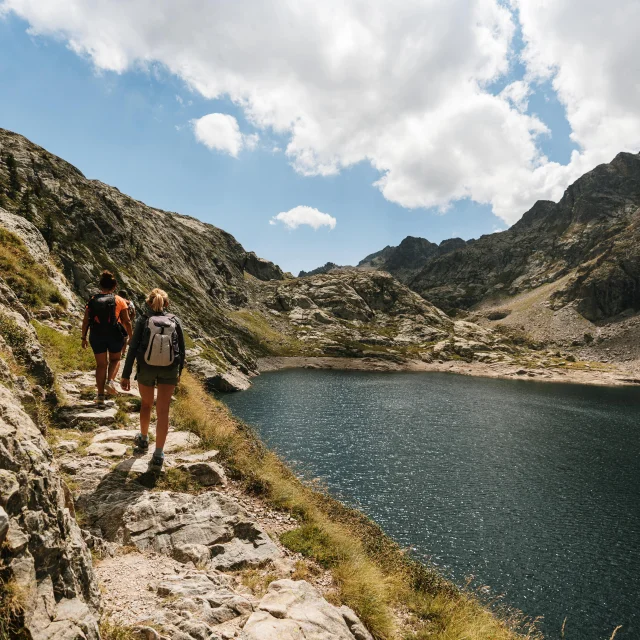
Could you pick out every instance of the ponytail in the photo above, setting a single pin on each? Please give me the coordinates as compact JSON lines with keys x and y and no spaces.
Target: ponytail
{"x":158,"y":300}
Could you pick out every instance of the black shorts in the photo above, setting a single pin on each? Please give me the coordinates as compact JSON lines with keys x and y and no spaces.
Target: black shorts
{"x":103,"y":342}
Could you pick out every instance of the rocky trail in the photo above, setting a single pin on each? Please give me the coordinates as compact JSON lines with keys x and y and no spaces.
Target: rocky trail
{"x":170,"y":564}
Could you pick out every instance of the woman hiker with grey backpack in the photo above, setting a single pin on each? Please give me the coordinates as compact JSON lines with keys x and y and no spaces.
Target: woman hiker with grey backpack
{"x":158,"y":347}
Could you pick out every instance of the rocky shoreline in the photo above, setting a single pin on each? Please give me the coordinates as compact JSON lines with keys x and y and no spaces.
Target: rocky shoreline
{"x":596,"y":374}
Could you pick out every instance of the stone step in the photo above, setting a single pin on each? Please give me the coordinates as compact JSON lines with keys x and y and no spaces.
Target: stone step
{"x":90,"y":414}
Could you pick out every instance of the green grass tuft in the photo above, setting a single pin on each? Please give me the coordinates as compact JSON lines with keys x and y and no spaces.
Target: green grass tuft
{"x":64,"y":351}
{"x":264,"y":336}
{"x":28,"y":279}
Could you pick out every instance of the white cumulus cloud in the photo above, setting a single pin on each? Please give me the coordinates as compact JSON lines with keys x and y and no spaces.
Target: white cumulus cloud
{"x":404,"y":86}
{"x":300,"y":215}
{"x":221,"y":132}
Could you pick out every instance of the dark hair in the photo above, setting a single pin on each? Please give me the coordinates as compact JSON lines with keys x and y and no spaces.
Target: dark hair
{"x":108,"y":281}
{"x":123,"y":293}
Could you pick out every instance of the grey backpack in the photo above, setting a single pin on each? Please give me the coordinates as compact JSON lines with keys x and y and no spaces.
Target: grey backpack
{"x":161,"y":348}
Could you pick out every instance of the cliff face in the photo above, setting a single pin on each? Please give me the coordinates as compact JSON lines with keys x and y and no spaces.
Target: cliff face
{"x":90,"y":226}
{"x":590,"y":236}
{"x":47,"y":584}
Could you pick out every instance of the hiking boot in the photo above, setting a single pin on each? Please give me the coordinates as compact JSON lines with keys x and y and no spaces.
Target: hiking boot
{"x":110,"y":388}
{"x":100,"y":401}
{"x":155,"y":464}
{"x":140,"y":444}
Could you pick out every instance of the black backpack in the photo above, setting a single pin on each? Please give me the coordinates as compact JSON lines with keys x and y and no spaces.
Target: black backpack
{"x":102,"y":310}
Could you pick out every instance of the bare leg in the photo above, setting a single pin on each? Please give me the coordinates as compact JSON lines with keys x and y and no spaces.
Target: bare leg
{"x":146,"y":395}
{"x":101,"y":371}
{"x":114,"y":364}
{"x":165,"y":392}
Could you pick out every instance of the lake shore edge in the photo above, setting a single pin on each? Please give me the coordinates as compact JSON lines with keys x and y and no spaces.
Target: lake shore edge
{"x":611,"y":376}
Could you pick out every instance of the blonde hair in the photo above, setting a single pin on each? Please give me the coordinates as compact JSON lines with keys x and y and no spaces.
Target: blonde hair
{"x":158,"y":300}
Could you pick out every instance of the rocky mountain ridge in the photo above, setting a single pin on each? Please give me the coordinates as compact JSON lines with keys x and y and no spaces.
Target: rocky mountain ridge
{"x":589,"y":238}
{"x":406,"y":260}
{"x":236,"y":306}
{"x":590,"y":235}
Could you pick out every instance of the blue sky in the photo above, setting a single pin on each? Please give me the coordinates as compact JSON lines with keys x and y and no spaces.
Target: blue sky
{"x":132,"y":130}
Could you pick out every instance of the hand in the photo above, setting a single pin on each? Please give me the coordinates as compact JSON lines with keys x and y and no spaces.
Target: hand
{"x":85,"y":343}
{"x":125,"y":384}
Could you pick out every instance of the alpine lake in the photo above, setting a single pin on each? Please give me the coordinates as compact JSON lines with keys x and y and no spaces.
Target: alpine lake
{"x":532,"y":489}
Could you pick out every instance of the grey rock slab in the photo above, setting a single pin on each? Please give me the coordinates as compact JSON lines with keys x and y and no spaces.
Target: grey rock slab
{"x":295,"y":609}
{"x":16,"y":539}
{"x":356,"y":627}
{"x":139,"y":464}
{"x":108,"y":449}
{"x":116,"y":435}
{"x":66,"y":446}
{"x":206,"y":456}
{"x":90,"y":414}
{"x":230,"y":380}
{"x":208,"y":474}
{"x":207,"y":595}
{"x":179,"y":440}
{"x":42,"y":533}
{"x":4,"y":524}
{"x":9,"y":486}
{"x":210,"y":528}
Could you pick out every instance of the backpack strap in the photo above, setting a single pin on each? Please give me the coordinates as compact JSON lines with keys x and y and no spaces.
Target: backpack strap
{"x":90,"y":309}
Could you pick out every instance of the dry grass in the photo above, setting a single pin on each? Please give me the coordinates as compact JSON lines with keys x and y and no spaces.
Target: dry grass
{"x":178,"y":480}
{"x":12,"y":599}
{"x":258,"y":580}
{"x":373,"y":576}
{"x":110,"y":630}
{"x":15,"y":336}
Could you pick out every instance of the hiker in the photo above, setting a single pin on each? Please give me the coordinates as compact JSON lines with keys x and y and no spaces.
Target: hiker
{"x":102,"y":315}
{"x":132,"y":316}
{"x":158,"y":348}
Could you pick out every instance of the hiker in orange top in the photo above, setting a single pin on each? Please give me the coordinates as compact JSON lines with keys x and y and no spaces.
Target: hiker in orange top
{"x":101,"y":317}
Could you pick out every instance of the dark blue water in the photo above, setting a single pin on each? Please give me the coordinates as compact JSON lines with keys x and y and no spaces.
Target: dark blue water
{"x":532,"y":488}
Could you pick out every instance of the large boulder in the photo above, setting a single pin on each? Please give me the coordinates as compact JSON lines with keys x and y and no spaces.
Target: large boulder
{"x":216,"y":380}
{"x":43,"y":550}
{"x":261,"y":268}
{"x":295,"y":609}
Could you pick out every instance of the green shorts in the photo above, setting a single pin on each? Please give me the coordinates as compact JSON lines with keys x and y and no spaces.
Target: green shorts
{"x":149,"y":375}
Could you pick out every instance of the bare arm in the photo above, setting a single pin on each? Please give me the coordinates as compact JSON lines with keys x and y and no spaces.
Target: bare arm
{"x":85,"y":328}
{"x":126,"y":322}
